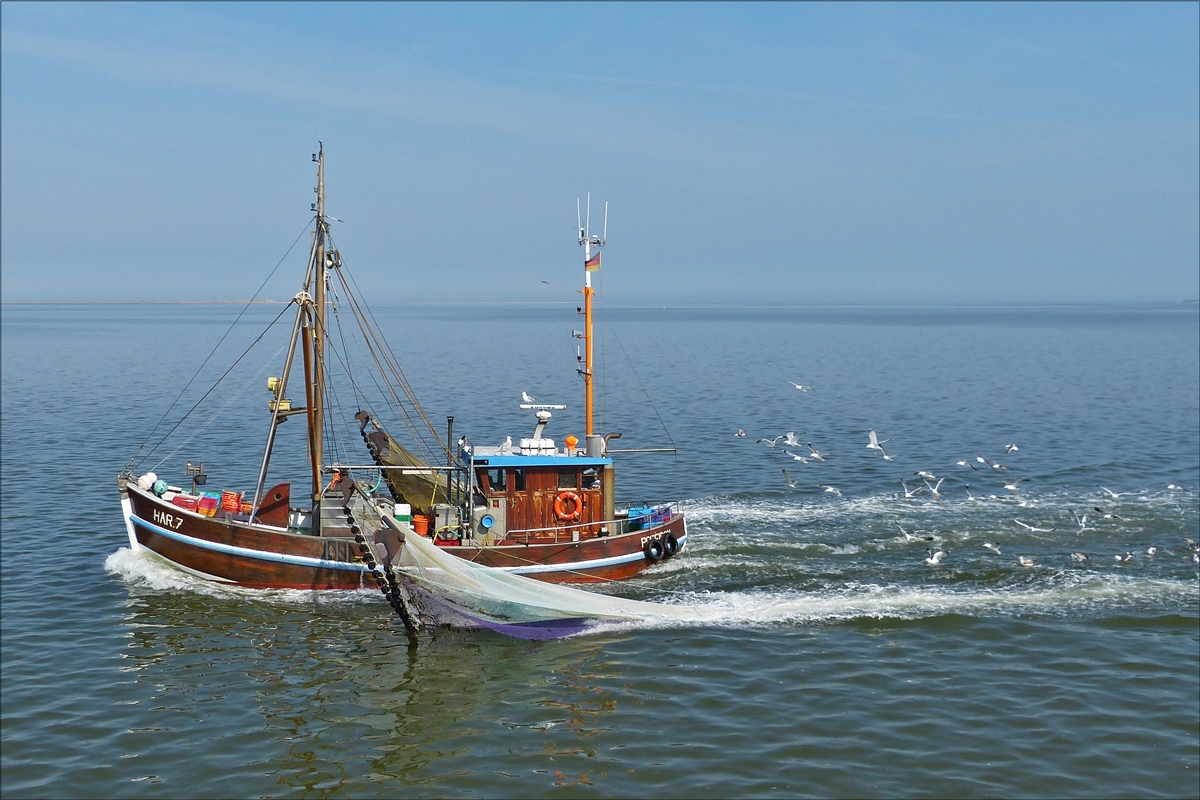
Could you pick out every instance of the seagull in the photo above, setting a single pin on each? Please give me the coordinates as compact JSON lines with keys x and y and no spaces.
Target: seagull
{"x":815,"y":455}
{"x":527,"y":399}
{"x":791,"y":483}
{"x":1174,"y":488}
{"x":1104,"y":514}
{"x":1080,"y":521}
{"x":1009,"y":448}
{"x":740,"y":432}
{"x":1025,"y":561}
{"x":833,"y":491}
{"x":909,"y":495}
{"x":970,"y":496}
{"x":933,"y":490}
{"x":1079,"y":556}
{"x":1112,"y":494}
{"x":874,"y":444}
{"x":990,"y":546}
{"x":1012,"y":485}
{"x":791,"y":440}
{"x":506,"y":445}
{"x":926,"y":475}
{"x":1151,"y":550}
{"x":936,"y":557}
{"x":801,"y":459}
{"x":801,"y":388}
{"x":886,"y":457}
{"x":912,"y":537}
{"x":1032,"y":528}
{"x":991,"y":464}
{"x":1190,"y":543}
{"x":769,"y":442}
{"x":962,"y":462}
{"x":1124,"y":557}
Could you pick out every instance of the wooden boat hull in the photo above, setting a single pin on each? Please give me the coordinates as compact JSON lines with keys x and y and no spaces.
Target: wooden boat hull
{"x":264,"y":557}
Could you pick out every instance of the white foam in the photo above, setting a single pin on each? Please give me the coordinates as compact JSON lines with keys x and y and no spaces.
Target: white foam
{"x":143,"y":569}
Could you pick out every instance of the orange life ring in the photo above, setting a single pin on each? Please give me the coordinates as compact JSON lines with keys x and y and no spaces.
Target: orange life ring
{"x":560,"y":503}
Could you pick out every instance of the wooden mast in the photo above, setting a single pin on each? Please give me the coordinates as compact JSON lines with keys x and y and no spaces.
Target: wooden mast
{"x":316,"y":416}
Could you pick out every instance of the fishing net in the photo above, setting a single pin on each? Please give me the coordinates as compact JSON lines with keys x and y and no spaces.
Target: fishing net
{"x":452,"y":587}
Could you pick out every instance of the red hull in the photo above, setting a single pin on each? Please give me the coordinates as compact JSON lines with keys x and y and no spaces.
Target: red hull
{"x":257,"y":556}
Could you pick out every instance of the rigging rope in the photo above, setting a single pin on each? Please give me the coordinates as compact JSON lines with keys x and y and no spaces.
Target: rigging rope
{"x":639,"y":380}
{"x":183,"y":391}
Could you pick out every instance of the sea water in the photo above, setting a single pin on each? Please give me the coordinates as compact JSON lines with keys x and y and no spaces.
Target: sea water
{"x":840,"y":662}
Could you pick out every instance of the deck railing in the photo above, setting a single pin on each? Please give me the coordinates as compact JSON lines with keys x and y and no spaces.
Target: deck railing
{"x":556,"y":534}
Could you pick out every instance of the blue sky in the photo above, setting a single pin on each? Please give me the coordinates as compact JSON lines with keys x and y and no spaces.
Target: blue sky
{"x":750,"y":153}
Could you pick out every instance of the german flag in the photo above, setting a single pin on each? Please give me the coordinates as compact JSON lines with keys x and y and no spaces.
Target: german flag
{"x":592,"y":265}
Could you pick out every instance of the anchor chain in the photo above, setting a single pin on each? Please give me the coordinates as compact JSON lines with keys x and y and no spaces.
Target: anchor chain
{"x":385,"y":578}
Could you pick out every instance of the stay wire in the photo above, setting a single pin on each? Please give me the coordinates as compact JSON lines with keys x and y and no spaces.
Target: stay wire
{"x":649,"y":399}
{"x":199,"y":369}
{"x":214,"y":386}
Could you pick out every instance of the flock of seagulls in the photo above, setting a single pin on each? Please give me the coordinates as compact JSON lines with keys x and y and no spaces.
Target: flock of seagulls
{"x":933,"y":484}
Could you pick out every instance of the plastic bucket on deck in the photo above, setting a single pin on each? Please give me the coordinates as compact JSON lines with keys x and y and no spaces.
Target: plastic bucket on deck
{"x":420,"y":524}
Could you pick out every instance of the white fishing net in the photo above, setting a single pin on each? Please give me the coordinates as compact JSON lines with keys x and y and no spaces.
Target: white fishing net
{"x":490,"y":595}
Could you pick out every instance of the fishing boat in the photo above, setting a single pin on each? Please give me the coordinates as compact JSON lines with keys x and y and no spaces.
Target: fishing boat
{"x":531,"y":509}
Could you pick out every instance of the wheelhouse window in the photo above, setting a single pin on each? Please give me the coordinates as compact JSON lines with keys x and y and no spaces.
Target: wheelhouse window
{"x":518,"y":476}
{"x":568,"y":479}
{"x":495,"y":480}
{"x":591,"y":478}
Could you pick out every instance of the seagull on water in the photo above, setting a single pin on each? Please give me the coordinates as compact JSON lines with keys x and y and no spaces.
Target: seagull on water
{"x":1151,"y":550}
{"x":525,"y":398}
{"x":936,"y":557}
{"x":1025,"y":561}
{"x":991,"y":464}
{"x":1172,"y":487}
{"x":795,"y":457}
{"x":910,"y":494}
{"x":1079,"y":556}
{"x":815,"y":455}
{"x":993,"y":547}
{"x":1010,"y":448}
{"x":791,"y":483}
{"x":769,"y":442}
{"x":962,"y":462}
{"x":1013,"y":485}
{"x":740,"y":432}
{"x":833,"y":491}
{"x":1124,"y":557}
{"x":801,"y":388}
{"x":1032,"y":528}
{"x":933,"y":490}
{"x":1112,"y":494}
{"x":1104,"y":514}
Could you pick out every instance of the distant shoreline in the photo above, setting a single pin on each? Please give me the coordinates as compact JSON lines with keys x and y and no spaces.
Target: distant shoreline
{"x":668,"y":306}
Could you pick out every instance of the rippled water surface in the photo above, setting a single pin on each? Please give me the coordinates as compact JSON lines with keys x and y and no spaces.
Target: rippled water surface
{"x":841,"y":663}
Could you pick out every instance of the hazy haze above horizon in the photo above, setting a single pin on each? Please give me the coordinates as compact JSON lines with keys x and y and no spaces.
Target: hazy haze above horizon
{"x":750,"y":153}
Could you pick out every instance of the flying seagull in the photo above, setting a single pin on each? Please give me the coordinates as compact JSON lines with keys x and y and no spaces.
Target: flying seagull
{"x":912,"y":537}
{"x":993,"y":547}
{"x":815,"y":455}
{"x":791,"y":483}
{"x":833,"y":491}
{"x":1009,"y":448}
{"x":874,"y":444}
{"x":926,"y":475}
{"x":909,"y":494}
{"x":795,"y":457}
{"x":1032,"y":528}
{"x":1014,"y":485}
{"x":769,"y":442}
{"x":991,"y":464}
{"x":1124,"y":557}
{"x":933,"y":490}
{"x":801,"y":388}
{"x":740,"y":432}
{"x":791,"y":440}
{"x":936,"y":557}
{"x":1112,"y":494}
{"x":1079,"y":556}
{"x":962,"y":462}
